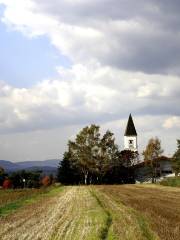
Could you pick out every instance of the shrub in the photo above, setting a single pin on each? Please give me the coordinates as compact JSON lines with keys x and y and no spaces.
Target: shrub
{"x":46,"y":181}
{"x":7,"y":184}
{"x":171,"y":181}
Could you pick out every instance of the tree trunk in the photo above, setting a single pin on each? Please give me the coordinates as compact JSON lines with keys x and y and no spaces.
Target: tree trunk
{"x":85,"y":178}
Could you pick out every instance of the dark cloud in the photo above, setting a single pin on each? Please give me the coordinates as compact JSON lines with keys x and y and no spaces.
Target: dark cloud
{"x":154,"y":48}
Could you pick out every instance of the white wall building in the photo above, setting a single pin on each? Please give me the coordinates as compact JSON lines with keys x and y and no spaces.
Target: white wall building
{"x":130,"y":136}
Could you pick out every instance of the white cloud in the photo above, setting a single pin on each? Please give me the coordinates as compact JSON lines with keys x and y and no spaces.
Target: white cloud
{"x":172,"y":122}
{"x":125,"y":58}
{"x":84,"y":94}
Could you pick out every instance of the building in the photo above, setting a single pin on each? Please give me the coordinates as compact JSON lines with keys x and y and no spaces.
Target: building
{"x":130,"y":136}
{"x":143,"y":171}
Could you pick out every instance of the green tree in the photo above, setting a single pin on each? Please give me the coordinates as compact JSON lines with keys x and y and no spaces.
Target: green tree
{"x":176,"y":159}
{"x":129,"y":158}
{"x":67,"y":173}
{"x":151,"y":155}
{"x":108,"y":155}
{"x":22,"y":179}
{"x":2,"y":175}
{"x":84,"y":151}
{"x":92,"y":155}
{"x":1,"y":171}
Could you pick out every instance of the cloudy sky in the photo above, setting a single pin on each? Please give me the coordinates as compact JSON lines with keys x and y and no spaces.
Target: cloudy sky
{"x":68,"y":63}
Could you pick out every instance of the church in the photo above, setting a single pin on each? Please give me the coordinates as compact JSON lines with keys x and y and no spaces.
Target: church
{"x":164,"y":167}
{"x":130,"y":136}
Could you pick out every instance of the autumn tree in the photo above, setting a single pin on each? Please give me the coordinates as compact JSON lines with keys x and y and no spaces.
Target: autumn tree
{"x":46,"y":181}
{"x":151,"y":155}
{"x":7,"y":184}
{"x":176,"y":159}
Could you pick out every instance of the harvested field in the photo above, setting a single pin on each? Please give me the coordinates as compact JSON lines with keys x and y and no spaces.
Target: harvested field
{"x":161,"y":205}
{"x":9,"y":196}
{"x":71,"y":214}
{"x":129,"y":212}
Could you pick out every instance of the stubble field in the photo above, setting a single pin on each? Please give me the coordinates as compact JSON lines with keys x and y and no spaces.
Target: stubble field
{"x":131,"y":212}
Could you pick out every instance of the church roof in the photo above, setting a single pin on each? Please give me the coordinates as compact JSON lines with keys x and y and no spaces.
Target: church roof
{"x":130,"y":128}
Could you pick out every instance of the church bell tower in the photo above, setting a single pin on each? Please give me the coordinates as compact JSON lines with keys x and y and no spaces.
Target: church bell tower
{"x":130,"y":136}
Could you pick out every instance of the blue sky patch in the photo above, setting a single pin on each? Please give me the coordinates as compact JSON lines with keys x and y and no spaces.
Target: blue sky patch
{"x":24,"y":61}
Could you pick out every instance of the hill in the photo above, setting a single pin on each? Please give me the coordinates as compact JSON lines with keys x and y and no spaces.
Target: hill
{"x":47,"y":166}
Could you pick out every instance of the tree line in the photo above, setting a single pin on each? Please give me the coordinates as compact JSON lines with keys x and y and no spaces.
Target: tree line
{"x":24,"y":179}
{"x":95,"y":159}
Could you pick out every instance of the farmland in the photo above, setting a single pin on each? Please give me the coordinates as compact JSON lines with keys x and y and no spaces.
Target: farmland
{"x":131,"y":212}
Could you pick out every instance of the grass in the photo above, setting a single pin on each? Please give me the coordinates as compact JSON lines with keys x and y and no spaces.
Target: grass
{"x":8,"y":196}
{"x":171,"y":181}
{"x":105,"y":231}
{"x":126,"y":223}
{"x":71,"y":214}
{"x":159,"y":207}
{"x":11,"y":200}
{"x":124,"y":212}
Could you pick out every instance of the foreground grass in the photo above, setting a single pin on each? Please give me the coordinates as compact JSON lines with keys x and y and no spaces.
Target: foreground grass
{"x":129,"y":212}
{"x":157,"y":206}
{"x":126,"y":223}
{"x":11,"y":200}
{"x":72,"y":214}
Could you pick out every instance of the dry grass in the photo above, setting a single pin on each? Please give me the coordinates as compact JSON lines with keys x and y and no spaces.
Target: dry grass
{"x":71,"y":214}
{"x":129,"y":212}
{"x":126,"y":223}
{"x":9,"y":196}
{"x":161,"y":205}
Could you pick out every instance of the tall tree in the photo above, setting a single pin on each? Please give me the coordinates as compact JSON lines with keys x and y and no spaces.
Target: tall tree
{"x":67,"y":173}
{"x":176,"y":159}
{"x":151,"y":154}
{"x":84,"y":151}
{"x":129,"y":159}
{"x":108,"y":156}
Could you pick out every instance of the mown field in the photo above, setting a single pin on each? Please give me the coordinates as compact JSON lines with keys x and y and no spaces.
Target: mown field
{"x":131,"y":212}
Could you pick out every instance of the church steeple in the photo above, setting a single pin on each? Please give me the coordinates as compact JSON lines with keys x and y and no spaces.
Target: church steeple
{"x":130,"y":128}
{"x":130,"y":136}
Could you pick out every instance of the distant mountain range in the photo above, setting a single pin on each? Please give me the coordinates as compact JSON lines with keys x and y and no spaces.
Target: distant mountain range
{"x":46,"y":166}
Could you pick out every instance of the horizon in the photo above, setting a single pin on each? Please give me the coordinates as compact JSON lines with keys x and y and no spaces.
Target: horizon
{"x":67,"y":64}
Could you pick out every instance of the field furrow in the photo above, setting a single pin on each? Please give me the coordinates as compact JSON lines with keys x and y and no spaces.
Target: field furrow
{"x":160,"y":205}
{"x":130,"y":212}
{"x":73,"y":214}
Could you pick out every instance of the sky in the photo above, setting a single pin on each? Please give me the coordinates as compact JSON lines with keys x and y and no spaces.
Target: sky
{"x":70,"y":63}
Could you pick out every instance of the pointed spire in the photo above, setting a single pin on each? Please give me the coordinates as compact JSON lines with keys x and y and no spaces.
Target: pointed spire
{"x":130,"y":128}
